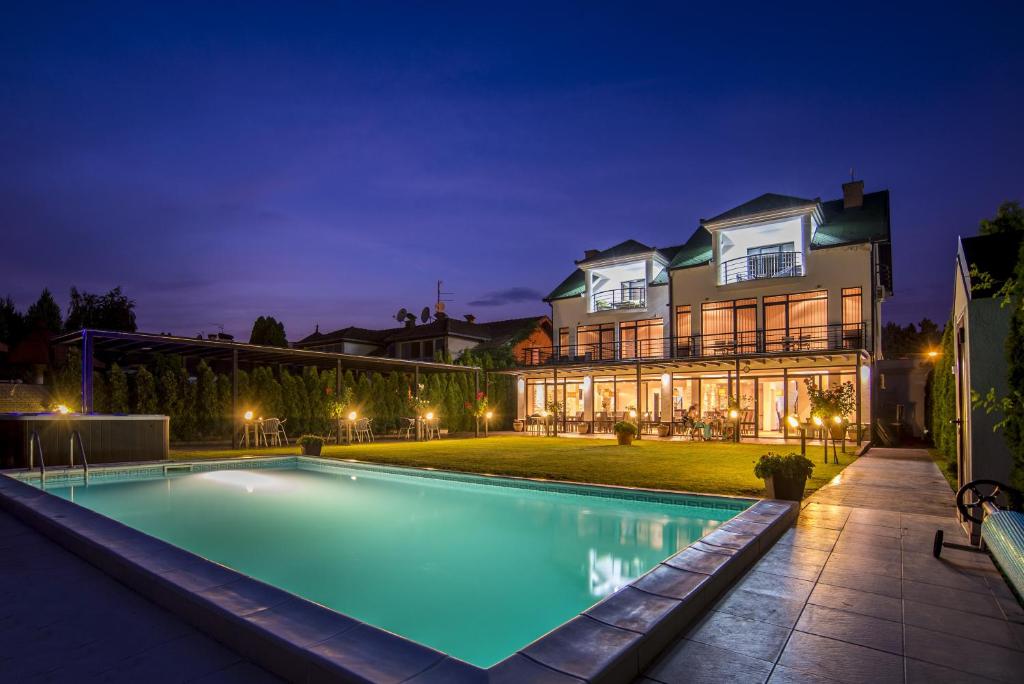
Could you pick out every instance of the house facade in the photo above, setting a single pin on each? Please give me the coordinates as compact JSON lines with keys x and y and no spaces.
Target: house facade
{"x":758,"y":301}
{"x":449,"y":337}
{"x":980,"y":326}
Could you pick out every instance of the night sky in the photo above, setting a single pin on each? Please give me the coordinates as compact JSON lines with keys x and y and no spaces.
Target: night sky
{"x":327,"y":163}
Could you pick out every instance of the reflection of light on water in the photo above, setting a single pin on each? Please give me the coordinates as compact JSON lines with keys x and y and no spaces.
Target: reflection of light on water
{"x":354,"y":478}
{"x":608,"y":574}
{"x":245,"y":479}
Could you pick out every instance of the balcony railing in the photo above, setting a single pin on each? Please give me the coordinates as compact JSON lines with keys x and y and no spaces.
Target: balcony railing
{"x":758,"y":266}
{"x":833,"y":337}
{"x":629,"y":297}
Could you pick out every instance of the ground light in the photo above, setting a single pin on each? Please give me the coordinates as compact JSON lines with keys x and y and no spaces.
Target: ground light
{"x":487,"y":421}
{"x":794,"y":422}
{"x":63,"y":410}
{"x":824,"y":435}
{"x":348,"y":427}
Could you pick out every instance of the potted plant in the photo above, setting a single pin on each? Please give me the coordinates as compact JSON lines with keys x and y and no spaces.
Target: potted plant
{"x":784,"y":476}
{"x":311,"y":444}
{"x":517,"y":425}
{"x":832,"y":406}
{"x":625,"y":431}
{"x":583,"y":427}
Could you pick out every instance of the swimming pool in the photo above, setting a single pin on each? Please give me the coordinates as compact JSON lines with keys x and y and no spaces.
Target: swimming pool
{"x":476,"y":567}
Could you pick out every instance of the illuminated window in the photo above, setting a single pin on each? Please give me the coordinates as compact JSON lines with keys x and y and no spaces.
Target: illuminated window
{"x":729,"y":327}
{"x":796,"y":322}
{"x":684,"y":330}
{"x":563,"y":342}
{"x":642,"y":339}
{"x":596,"y":341}
{"x":853,"y":318}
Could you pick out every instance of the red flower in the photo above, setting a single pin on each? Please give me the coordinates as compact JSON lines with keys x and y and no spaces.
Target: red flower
{"x":480,"y":395}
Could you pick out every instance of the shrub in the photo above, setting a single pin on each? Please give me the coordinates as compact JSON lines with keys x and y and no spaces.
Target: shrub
{"x":791,"y":466}
{"x":624,"y":427}
{"x":311,"y":440}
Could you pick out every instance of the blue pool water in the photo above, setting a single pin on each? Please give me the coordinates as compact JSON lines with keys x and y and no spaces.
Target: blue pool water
{"x":475,"y":568}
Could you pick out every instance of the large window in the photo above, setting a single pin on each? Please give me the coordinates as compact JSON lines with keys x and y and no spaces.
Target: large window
{"x":796,"y":322}
{"x":729,"y":327}
{"x":853,"y":318}
{"x":684,"y":330}
{"x":642,"y":339}
{"x":563,"y":342}
{"x":596,"y":341}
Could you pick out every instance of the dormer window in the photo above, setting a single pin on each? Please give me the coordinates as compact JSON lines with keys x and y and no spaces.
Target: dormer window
{"x":764,"y":250}
{"x":618,"y":286}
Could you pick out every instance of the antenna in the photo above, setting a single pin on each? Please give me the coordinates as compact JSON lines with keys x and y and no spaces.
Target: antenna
{"x":400,"y":316}
{"x":851,"y":174}
{"x":441,"y":294}
{"x":425,"y":314}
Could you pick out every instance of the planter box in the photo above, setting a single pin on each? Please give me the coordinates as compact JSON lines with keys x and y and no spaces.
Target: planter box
{"x":625,"y":438}
{"x":583,"y":428}
{"x":785,"y":488}
{"x":311,"y":449}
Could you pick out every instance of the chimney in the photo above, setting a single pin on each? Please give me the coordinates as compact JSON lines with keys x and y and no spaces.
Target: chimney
{"x":853,"y":194}
{"x":590,"y":253}
{"x":469,"y":318}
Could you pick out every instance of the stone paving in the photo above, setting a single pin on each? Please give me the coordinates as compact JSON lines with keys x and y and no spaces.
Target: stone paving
{"x":62,"y":620}
{"x":853,"y":594}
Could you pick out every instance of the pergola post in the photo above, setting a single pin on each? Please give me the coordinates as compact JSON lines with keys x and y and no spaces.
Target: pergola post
{"x":416,"y":395}
{"x":857,"y":383}
{"x":476,"y":393}
{"x":739,"y":408}
{"x":86,"y":371}
{"x":639,"y":413}
{"x":234,"y":399}
{"x":554,"y":393}
{"x":785,"y":403}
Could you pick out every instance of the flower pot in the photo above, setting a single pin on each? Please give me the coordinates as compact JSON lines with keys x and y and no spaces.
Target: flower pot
{"x":312,"y":449}
{"x":583,"y":428}
{"x":517,"y":425}
{"x":786,"y":488}
{"x":625,"y":438}
{"x":664,"y":430}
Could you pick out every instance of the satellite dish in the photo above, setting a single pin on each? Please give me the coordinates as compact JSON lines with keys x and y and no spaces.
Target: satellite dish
{"x":425,"y":314}
{"x":400,"y":316}
{"x":440,"y":307}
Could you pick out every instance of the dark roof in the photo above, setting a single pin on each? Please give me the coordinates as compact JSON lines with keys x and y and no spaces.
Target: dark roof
{"x":624,"y":248}
{"x":573,"y":286}
{"x":995,"y":255}
{"x":767,"y":202}
{"x":696,"y":252}
{"x":866,"y":223}
{"x":495,"y":333}
{"x":350,"y":333}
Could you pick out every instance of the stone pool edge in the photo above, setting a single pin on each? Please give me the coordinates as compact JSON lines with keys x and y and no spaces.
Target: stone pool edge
{"x":299,"y":640}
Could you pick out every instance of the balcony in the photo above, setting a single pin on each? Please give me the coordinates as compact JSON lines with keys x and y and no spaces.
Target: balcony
{"x":760,"y":266}
{"x":834,"y":337}
{"x":625,"y":297}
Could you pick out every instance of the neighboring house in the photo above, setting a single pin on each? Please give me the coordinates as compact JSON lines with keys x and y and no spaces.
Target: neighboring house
{"x":447,"y":336}
{"x":901,"y":388}
{"x":981,"y":326}
{"x":758,"y":300}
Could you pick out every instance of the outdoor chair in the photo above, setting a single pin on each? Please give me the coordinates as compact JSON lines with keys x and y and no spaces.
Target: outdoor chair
{"x":408,"y":431}
{"x":362,"y":430}
{"x":431,"y":429}
{"x":269,"y":429}
{"x":282,"y":436}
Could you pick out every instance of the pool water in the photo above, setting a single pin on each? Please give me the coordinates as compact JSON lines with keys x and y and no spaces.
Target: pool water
{"x":467,"y":566}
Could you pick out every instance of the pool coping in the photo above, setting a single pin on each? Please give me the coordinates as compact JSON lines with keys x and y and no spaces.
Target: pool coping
{"x":299,"y":640}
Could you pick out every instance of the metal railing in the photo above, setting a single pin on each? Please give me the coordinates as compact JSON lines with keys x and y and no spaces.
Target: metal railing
{"x":628,"y":297}
{"x":759,"y":266}
{"x":830,"y":337}
{"x":81,"y":449}
{"x":35,"y":443}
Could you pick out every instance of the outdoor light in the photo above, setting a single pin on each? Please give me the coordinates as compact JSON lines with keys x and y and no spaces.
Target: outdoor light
{"x":665,"y":378}
{"x":933,"y":354}
{"x":248,"y":415}
{"x":837,"y":419}
{"x":430,"y":415}
{"x":487,"y":422}
{"x":817,"y":421}
{"x":793,"y":421}
{"x":489,"y":415}
{"x":62,"y":409}
{"x":734,"y":414}
{"x":352,"y":415}
{"x":632,"y":414}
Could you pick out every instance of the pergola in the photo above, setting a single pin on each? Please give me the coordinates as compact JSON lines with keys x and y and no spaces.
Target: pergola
{"x":143,"y":344}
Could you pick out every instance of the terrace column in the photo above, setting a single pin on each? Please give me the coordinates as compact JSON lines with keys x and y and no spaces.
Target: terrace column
{"x":86,"y":371}
{"x":639,"y":404}
{"x":476,"y":393}
{"x":554,"y":380}
{"x":234,"y":398}
{"x":857,"y":383}
{"x":588,"y":401}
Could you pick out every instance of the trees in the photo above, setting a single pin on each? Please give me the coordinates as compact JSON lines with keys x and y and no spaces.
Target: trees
{"x":943,"y":399}
{"x":898,"y":340}
{"x":1009,"y":218}
{"x":117,"y":390}
{"x":12,"y":323}
{"x":145,"y":392}
{"x":269,"y":331}
{"x":44,"y":313}
{"x":110,"y":311}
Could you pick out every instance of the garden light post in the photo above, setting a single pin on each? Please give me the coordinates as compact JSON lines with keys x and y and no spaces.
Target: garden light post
{"x":348,"y":428}
{"x":632,"y":415}
{"x":487,"y":422}
{"x":824,"y":434}
{"x":735,"y":416}
{"x":794,"y":422}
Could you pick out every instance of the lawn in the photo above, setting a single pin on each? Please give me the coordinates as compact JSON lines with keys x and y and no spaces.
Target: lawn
{"x":708,"y":467}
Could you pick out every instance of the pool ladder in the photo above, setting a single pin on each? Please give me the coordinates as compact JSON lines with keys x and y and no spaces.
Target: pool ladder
{"x":81,"y":450}
{"x":34,"y":443}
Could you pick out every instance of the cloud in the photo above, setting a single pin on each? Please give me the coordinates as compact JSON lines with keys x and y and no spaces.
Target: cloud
{"x":510,"y":296}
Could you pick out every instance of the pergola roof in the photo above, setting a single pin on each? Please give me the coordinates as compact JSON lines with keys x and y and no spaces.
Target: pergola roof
{"x":220,"y":350}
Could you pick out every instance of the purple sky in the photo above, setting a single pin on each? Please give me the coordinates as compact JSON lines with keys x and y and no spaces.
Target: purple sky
{"x":327,"y":163}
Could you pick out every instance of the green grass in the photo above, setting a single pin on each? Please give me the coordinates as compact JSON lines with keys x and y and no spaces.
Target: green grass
{"x":946,"y":467}
{"x":707,"y":467}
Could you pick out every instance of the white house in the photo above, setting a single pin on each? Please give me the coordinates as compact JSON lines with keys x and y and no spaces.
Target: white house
{"x":758,"y":300}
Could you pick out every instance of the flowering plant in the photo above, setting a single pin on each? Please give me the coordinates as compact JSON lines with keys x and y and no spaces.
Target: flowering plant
{"x":478,"y":407}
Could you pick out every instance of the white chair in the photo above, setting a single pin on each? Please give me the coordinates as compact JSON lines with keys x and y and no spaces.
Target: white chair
{"x":408,"y":431}
{"x":282,"y":436}
{"x":362,"y":430}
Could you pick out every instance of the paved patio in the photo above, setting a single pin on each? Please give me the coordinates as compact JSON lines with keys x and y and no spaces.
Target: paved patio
{"x":63,"y":620}
{"x":853,"y":594}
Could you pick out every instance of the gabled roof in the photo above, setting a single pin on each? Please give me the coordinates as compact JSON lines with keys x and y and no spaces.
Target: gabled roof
{"x":766,"y":203}
{"x":350,"y":333}
{"x":696,"y":252}
{"x":623,"y":249}
{"x":575,"y":285}
{"x":494,"y":333}
{"x":866,"y":223}
{"x":995,"y":255}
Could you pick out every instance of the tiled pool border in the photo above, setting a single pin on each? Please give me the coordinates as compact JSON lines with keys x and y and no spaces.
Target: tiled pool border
{"x":299,"y":640}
